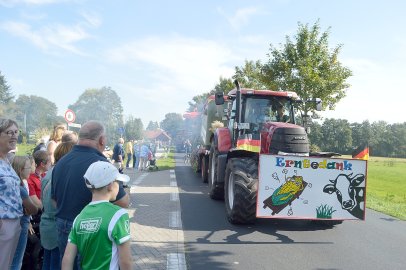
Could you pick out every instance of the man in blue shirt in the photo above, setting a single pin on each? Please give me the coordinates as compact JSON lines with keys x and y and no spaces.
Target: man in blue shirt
{"x":68,"y":185}
{"x":118,"y":155}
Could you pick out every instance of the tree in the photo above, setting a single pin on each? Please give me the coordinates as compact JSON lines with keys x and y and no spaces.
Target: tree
{"x":152,"y":125}
{"x":380,"y":145}
{"x":308,"y":67}
{"x":133,"y":128}
{"x":5,"y":91}
{"x":172,"y":124}
{"x":336,"y":136}
{"x":399,"y":139}
{"x":224,"y":85}
{"x":250,"y":75}
{"x":33,"y":112}
{"x":315,"y":137}
{"x":198,"y":102}
{"x":103,"y":105}
{"x":361,"y":134}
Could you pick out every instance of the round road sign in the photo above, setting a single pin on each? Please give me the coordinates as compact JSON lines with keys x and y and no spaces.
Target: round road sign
{"x":70,"y":116}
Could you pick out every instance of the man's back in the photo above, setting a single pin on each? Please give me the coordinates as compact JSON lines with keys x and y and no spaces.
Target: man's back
{"x":68,"y":185}
{"x":102,"y":225}
{"x":144,"y":151}
{"x":118,"y":151}
{"x":136,"y":149}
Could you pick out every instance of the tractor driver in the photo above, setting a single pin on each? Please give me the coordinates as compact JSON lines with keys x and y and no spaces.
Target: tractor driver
{"x":280,"y":116}
{"x":264,"y":116}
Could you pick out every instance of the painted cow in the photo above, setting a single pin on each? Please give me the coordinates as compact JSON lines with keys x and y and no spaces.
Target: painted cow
{"x":349,"y":193}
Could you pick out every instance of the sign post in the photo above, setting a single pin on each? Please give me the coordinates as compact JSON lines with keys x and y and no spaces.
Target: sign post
{"x":121,"y":131}
{"x":70,"y":117}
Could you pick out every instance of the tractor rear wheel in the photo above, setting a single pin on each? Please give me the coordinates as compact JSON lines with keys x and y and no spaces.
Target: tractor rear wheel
{"x":216,"y":190}
{"x":241,"y":184}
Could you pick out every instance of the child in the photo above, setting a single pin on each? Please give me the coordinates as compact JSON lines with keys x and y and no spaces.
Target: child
{"x":101,"y":232}
{"x":42,"y":165}
{"x":22,"y":165}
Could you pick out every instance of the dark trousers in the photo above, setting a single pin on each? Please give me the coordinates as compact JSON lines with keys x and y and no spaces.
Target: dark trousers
{"x":134,"y":161}
{"x":51,"y":259}
{"x":63,"y":227}
{"x":128,"y":160}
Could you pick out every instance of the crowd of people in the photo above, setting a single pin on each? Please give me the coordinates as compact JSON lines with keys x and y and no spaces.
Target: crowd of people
{"x":140,"y":152}
{"x":74,"y":191}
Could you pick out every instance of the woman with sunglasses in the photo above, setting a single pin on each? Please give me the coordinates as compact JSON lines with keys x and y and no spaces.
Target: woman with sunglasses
{"x":11,"y":209}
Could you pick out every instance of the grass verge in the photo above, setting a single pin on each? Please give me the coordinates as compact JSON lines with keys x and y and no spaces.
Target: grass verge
{"x":25,"y":149}
{"x":166,"y":162}
{"x":386,"y":186}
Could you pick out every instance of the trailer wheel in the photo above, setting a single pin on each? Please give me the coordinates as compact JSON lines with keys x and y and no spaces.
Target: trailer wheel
{"x":241,"y":184}
{"x":216,"y":190}
{"x":195,"y":162}
{"x":204,"y":170}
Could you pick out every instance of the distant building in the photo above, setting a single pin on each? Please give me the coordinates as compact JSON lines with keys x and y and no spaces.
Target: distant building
{"x":157,"y":136}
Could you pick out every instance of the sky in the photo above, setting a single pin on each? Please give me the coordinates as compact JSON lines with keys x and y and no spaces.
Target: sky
{"x":158,"y":55}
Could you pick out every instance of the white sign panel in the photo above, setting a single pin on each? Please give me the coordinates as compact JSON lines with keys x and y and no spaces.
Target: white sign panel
{"x":74,"y":125}
{"x":311,"y":188}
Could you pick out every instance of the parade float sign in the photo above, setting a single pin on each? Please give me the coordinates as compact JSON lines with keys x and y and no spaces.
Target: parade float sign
{"x":311,"y":188}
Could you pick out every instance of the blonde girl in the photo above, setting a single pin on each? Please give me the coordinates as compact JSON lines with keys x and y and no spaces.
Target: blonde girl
{"x":22,"y":165}
{"x":55,"y":140}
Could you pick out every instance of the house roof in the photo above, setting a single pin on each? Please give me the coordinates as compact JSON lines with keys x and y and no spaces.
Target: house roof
{"x":157,"y":134}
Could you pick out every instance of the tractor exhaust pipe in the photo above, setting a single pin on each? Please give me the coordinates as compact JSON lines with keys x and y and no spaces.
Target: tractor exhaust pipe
{"x":237,"y":113}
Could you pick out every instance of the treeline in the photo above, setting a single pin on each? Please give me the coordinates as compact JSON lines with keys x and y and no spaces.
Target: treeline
{"x":341,"y":136}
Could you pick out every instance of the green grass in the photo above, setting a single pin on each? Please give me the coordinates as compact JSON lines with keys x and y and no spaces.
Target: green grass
{"x":25,"y":149}
{"x":386,"y":186}
{"x":166,"y":162}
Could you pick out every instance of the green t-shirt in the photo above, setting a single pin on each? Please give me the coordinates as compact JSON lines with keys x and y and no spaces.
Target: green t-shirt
{"x":97,"y":231}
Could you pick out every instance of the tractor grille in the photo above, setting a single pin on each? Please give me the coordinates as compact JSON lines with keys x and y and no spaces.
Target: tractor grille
{"x":289,"y":140}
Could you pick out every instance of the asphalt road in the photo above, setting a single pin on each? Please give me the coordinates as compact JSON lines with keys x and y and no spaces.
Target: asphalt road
{"x":213,"y":243}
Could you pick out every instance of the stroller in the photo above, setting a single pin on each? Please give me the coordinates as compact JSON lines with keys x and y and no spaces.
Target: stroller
{"x":152,"y":162}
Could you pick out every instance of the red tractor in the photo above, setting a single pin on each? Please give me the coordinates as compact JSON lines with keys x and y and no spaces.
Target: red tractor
{"x":259,"y":122}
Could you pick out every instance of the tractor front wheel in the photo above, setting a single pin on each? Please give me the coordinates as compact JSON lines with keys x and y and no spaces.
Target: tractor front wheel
{"x":241,"y":184}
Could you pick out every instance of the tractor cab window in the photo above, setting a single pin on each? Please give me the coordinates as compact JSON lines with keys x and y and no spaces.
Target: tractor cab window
{"x":256,"y":110}
{"x":266,"y":109}
{"x":232,"y":116}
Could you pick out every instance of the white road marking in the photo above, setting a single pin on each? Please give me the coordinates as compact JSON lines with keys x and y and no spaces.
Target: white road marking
{"x":140,"y":179}
{"x":174,"y":220}
{"x":176,"y":261}
{"x":173,"y":184}
{"x":174,"y":196}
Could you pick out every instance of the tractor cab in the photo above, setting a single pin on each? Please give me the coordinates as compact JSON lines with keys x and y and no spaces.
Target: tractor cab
{"x":263,"y":121}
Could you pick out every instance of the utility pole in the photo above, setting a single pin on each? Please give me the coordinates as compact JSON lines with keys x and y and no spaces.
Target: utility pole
{"x":25,"y":122}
